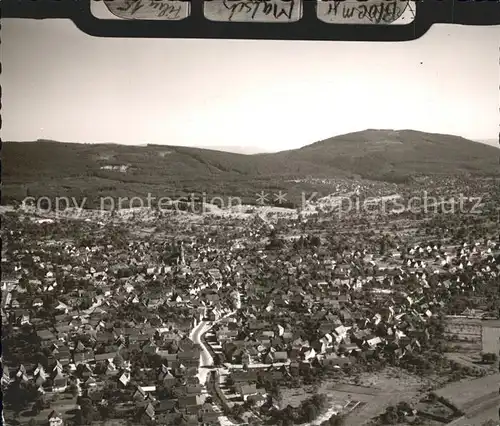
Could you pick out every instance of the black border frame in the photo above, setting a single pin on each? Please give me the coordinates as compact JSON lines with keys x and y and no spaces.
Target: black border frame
{"x":428,"y":12}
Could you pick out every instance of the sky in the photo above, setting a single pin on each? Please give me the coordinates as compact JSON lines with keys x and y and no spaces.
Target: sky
{"x":59,"y":83}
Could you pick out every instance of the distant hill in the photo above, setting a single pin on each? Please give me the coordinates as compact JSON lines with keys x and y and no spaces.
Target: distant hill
{"x":380,"y":154}
{"x":49,"y":168}
{"x":236,"y":149}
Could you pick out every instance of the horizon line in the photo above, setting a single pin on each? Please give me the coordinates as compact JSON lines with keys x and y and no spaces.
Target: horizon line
{"x":495,"y":142}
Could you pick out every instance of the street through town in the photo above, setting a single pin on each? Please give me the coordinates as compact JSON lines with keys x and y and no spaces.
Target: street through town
{"x":206,"y":360}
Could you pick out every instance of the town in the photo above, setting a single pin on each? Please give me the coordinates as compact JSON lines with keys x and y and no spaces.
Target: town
{"x":261,"y":316}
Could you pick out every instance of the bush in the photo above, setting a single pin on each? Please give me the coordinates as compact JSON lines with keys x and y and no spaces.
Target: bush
{"x":489,"y":358}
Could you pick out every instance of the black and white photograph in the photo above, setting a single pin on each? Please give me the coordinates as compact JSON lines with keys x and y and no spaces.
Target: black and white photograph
{"x":250,"y":232}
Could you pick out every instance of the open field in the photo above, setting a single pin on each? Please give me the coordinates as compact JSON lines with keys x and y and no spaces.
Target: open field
{"x":471,"y":348}
{"x":467,"y":361}
{"x":463,"y":327}
{"x":294,"y":396}
{"x":373,"y":393}
{"x":381,"y":390}
{"x":473,"y":336}
{"x":487,"y":411}
{"x":468,"y":394}
{"x":491,"y":339}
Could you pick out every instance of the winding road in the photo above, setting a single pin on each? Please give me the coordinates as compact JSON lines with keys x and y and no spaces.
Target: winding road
{"x":206,"y":360}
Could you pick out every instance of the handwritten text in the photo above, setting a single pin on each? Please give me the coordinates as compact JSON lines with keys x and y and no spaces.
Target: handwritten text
{"x":253,"y":10}
{"x":149,"y":9}
{"x":381,"y":12}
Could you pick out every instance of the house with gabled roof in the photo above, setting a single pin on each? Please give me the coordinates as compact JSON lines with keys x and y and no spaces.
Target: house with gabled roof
{"x":5,"y":375}
{"x":85,"y":357}
{"x":245,"y":390}
{"x":149,"y":411}
{"x":190,"y":401}
{"x":124,"y":378}
{"x":40,"y":376}
{"x":108,"y":356}
{"x":59,"y":382}
{"x":21,"y":374}
{"x":55,"y":419}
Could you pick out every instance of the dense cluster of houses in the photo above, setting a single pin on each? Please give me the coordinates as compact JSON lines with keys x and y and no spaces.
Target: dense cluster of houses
{"x":302,"y":323}
{"x":97,"y":326}
{"x":110,"y":320}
